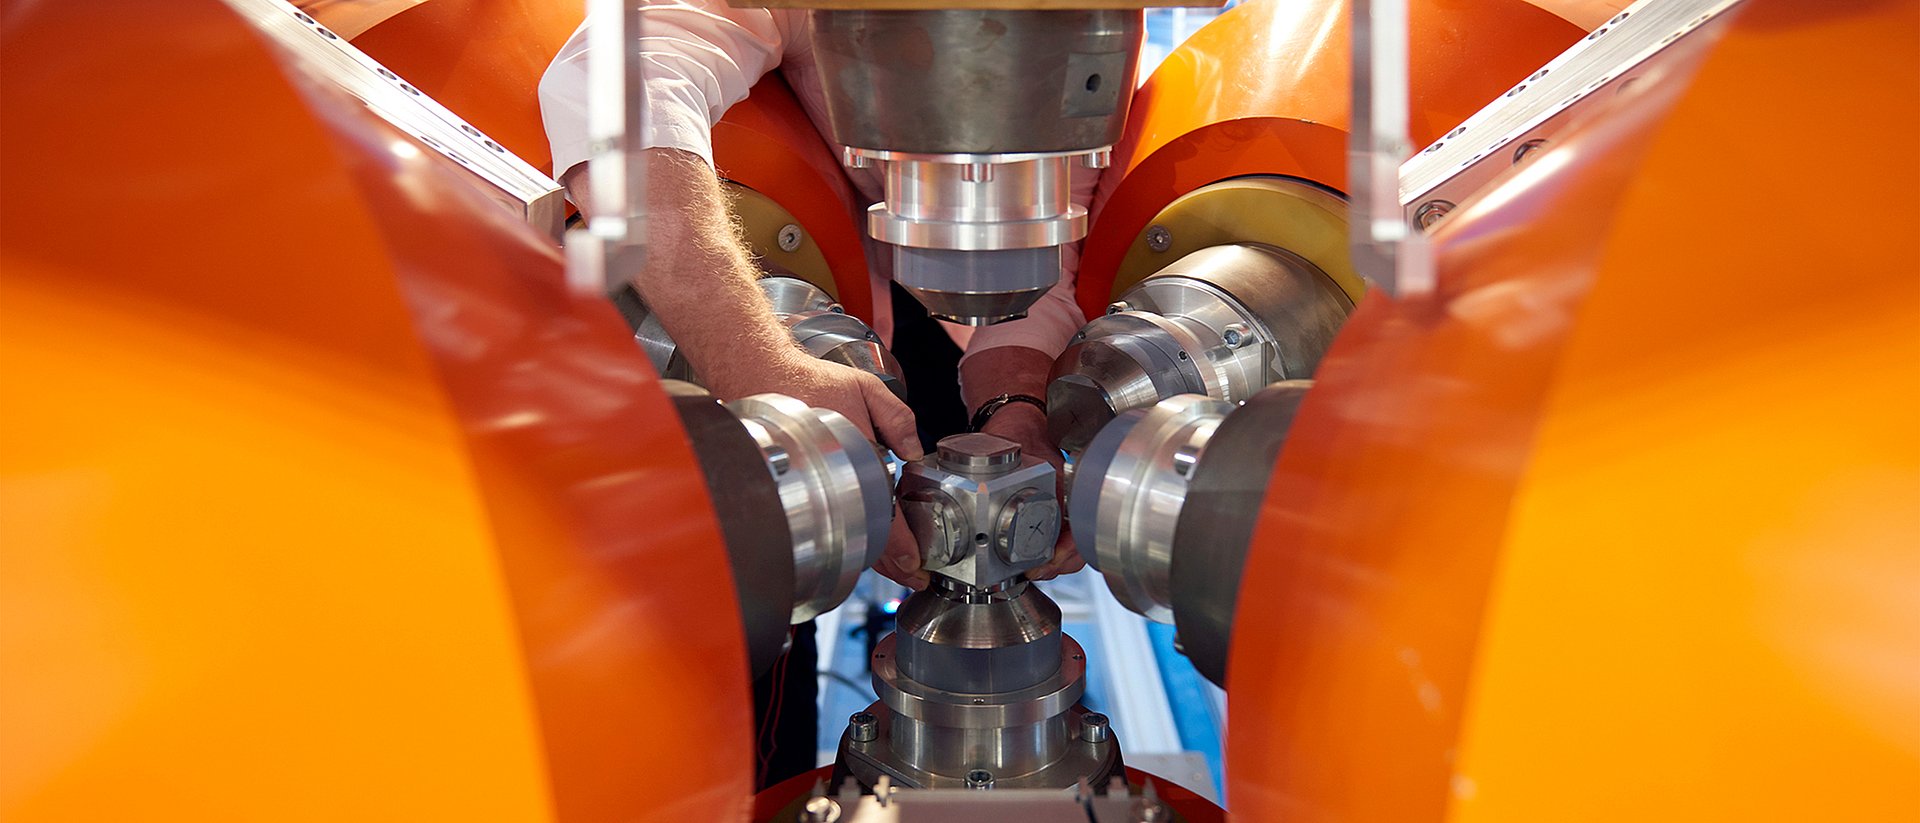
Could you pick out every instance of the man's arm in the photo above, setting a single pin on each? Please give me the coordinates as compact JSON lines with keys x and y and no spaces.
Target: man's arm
{"x":1018,"y":367}
{"x":700,"y":282}
{"x":1016,"y":357}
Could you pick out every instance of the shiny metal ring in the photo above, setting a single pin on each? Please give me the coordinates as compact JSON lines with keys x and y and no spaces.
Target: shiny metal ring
{"x":1047,"y":699}
{"x":1131,"y":484}
{"x":837,"y":494}
{"x":888,"y":227}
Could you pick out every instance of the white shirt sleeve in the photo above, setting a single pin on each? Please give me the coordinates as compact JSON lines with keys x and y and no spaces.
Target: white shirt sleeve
{"x":698,"y":58}
{"x":1050,"y":324}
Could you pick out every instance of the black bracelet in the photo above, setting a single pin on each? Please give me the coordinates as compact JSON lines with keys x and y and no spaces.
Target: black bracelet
{"x":988,"y":408}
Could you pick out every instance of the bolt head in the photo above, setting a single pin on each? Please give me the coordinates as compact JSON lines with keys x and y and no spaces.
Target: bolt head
{"x":1236,"y":335}
{"x":1430,"y":212}
{"x":1527,"y":148}
{"x":789,"y":237}
{"x":1116,"y":308}
{"x":1159,"y":239}
{"x":1095,"y":728}
{"x":863,"y":727}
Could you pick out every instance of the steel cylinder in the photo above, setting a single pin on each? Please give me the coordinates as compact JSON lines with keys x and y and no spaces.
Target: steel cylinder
{"x":976,"y":81}
{"x":1224,"y":322}
{"x":1166,"y":499}
{"x":979,"y":680}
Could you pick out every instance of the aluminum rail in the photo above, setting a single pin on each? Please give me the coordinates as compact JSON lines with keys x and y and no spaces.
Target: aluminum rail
{"x":509,"y":180}
{"x":1561,"y":94}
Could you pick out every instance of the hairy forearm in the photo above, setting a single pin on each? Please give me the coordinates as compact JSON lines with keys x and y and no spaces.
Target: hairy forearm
{"x":1003,"y":370}
{"x":697,"y":277}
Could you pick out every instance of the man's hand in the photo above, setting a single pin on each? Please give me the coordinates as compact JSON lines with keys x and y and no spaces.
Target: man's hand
{"x":863,"y":399}
{"x":860,"y":396}
{"x":1019,"y":370}
{"x":901,"y":560}
{"x":1027,"y":426}
{"x":699,"y":280}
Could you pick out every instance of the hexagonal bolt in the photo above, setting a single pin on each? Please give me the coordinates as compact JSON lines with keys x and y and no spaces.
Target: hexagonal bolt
{"x":863,"y":727}
{"x":1236,"y":335}
{"x":1094,"y":728}
{"x":979,"y":779}
{"x":790,"y":237}
{"x":1159,"y":239}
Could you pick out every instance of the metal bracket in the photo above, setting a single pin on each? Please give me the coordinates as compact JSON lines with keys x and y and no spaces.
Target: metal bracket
{"x":509,"y":180}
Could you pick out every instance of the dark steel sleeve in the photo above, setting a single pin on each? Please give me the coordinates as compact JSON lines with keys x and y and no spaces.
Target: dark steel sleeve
{"x":1216,"y":525}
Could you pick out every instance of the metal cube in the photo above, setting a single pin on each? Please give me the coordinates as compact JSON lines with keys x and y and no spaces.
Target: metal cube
{"x":981,"y":511}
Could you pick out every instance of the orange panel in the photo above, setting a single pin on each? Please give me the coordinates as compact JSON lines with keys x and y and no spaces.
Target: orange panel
{"x":1587,"y":14}
{"x":482,"y":59}
{"x":1694,"y":570}
{"x":1263,"y":90}
{"x":1709,"y":591}
{"x":323,"y":498}
{"x":767,"y":144}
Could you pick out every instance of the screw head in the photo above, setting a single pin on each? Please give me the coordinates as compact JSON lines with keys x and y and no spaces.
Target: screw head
{"x":1095,"y":728}
{"x":1236,"y":335}
{"x":863,"y":727}
{"x":1430,"y":212}
{"x":979,"y":779}
{"x":1527,"y":148}
{"x":1159,"y":239}
{"x":790,"y":236}
{"x":1117,"y":307}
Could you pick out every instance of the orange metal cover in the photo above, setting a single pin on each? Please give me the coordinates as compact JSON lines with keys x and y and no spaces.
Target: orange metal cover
{"x":322,"y":497}
{"x":1620,"y":523}
{"x":1263,"y":90}
{"x":482,"y":59}
{"x":765,"y":142}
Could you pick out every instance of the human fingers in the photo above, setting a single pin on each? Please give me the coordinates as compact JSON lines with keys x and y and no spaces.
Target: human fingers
{"x":892,"y":420}
{"x":900,"y":560}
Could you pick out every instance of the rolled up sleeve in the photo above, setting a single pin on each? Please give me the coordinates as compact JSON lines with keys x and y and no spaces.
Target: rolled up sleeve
{"x":698,"y":58}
